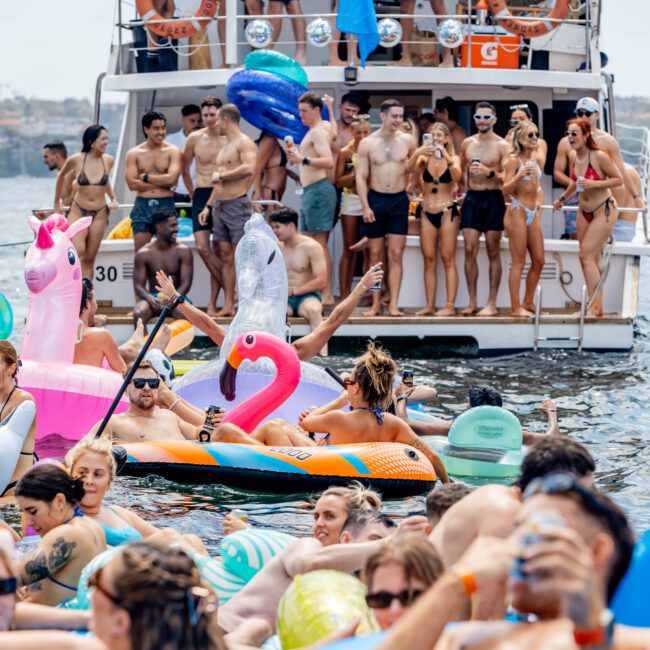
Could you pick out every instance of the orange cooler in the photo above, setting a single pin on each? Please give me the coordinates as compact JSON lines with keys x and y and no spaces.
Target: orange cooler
{"x":488,"y":52}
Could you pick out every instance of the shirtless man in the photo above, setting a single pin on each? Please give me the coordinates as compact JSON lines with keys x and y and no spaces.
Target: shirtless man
{"x":446,"y":111}
{"x":315,"y":158}
{"x":348,"y":109}
{"x":152,"y":169}
{"x":307,"y":346}
{"x":55,"y":154}
{"x":229,"y":202}
{"x":625,"y":228}
{"x":262,"y":595}
{"x":201,"y":148}
{"x":483,"y":157}
{"x":163,"y":253}
{"x":568,"y":578}
{"x":589,"y":108}
{"x":306,"y":268}
{"x":381,"y":185}
{"x":492,"y":509}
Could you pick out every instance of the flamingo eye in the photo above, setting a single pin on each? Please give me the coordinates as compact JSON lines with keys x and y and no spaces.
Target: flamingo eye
{"x":249,"y":341}
{"x":72,"y":258}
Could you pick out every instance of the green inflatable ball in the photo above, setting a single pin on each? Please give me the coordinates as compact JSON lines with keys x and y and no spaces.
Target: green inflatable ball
{"x":276,"y":63}
{"x":6,"y":318}
{"x":319,"y":603}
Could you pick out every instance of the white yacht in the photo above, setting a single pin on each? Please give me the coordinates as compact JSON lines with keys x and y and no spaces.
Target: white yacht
{"x":548,"y":72}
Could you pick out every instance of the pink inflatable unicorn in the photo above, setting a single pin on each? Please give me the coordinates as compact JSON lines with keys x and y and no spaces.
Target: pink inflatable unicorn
{"x":69,"y":398}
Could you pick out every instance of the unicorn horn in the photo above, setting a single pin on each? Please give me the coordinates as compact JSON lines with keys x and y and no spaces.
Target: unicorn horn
{"x":44,"y":239}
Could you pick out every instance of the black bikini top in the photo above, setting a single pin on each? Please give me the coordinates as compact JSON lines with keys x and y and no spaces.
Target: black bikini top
{"x":82,"y":179}
{"x":445,"y":178}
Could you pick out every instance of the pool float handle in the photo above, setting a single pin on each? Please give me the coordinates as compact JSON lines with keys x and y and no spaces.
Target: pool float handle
{"x":335,"y":376}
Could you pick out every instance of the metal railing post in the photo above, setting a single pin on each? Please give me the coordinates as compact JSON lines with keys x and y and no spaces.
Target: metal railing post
{"x":120,"y":63}
{"x":538,"y":313}
{"x":98,"y":97}
{"x":231,"y":32}
{"x":469,"y":33}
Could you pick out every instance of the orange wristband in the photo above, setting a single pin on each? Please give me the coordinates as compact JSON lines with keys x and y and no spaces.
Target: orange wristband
{"x":466,"y":577}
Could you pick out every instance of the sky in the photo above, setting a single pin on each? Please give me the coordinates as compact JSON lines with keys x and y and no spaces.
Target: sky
{"x":56,"y":49}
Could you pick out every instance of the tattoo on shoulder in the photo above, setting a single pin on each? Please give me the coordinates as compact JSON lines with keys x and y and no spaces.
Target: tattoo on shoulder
{"x":36,"y":568}
{"x":61,"y":554}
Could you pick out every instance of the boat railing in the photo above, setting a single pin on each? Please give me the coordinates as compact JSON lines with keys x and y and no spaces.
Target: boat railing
{"x":473,"y":22}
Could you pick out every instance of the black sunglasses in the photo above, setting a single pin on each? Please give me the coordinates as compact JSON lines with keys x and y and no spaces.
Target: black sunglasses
{"x":141,"y":382}
{"x":581,"y":113}
{"x":383,"y":599}
{"x":94,"y":583}
{"x":563,"y":482}
{"x":8,"y":586}
{"x":533,"y":134}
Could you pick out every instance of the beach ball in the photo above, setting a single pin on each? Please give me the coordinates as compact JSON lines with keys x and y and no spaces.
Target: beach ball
{"x":451,"y":33}
{"x":390,"y":32}
{"x":259,"y":33}
{"x":319,"y":32}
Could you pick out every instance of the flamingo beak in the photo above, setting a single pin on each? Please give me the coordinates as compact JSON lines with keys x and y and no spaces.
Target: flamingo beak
{"x":228,"y":374}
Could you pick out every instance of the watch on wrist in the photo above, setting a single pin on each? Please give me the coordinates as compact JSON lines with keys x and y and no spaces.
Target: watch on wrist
{"x":306,"y":161}
{"x":178,"y":298}
{"x":492,"y":174}
{"x":145,"y":178}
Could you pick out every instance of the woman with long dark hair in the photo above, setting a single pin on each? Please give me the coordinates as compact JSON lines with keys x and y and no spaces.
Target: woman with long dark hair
{"x":90,"y":169}
{"x":593,"y":174}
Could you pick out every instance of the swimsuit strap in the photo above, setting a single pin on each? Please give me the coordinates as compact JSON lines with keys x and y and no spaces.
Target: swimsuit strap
{"x":7,"y":400}
{"x":78,"y":512}
{"x":62,"y":584}
{"x":375,"y":410}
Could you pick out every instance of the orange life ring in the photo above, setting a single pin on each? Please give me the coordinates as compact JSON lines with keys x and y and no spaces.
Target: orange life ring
{"x":180,"y":28}
{"x":528,"y":28}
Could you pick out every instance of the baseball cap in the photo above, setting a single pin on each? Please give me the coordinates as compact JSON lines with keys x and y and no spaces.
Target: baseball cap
{"x":587,"y":104}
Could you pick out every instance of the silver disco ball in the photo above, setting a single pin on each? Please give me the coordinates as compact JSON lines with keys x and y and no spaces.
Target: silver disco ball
{"x":319,"y":32}
{"x":390,"y":32}
{"x":451,"y":33}
{"x":259,"y":33}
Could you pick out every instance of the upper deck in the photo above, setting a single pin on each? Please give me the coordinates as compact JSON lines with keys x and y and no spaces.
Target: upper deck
{"x":566,"y":58}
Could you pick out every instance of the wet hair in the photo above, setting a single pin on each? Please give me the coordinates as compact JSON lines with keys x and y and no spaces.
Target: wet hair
{"x":352,"y":98}
{"x":450,"y":105}
{"x":441,"y":498}
{"x":230,"y":112}
{"x":100,"y":446}
{"x":90,"y":136}
{"x":415,"y":554}
{"x":9,"y":356}
{"x":211,"y":101}
{"x":358,"y":519}
{"x":87,"y":293}
{"x":149,"y":117}
{"x":44,"y":482}
{"x":374,"y":373}
{"x":585,"y":126}
{"x":312,"y":99}
{"x":517,"y":132}
{"x":285,"y":216}
{"x":356,"y":496}
{"x":169,"y":606}
{"x":190,"y":109}
{"x":441,"y":126}
{"x":162,"y":215}
{"x":387,"y":104}
{"x":57,"y":146}
{"x":143,"y":365}
{"x":551,"y":454}
{"x":486,"y":105}
{"x":482,"y":395}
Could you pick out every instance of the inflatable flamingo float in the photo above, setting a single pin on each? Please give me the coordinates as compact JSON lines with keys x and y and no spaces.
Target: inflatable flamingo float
{"x":69,"y":398}
{"x":262,"y":290}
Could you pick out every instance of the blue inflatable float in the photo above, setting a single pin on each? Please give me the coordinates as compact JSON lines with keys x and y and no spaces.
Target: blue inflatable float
{"x":630,"y":604}
{"x":6,"y":318}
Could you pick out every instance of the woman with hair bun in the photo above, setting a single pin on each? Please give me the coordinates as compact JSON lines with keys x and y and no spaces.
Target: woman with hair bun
{"x":10,"y":397}
{"x":369,"y":392}
{"x":49,"y":499}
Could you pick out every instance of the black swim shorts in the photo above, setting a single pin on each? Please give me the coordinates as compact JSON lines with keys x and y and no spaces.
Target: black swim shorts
{"x":200,"y":198}
{"x":483,"y":210}
{"x":391,"y":215}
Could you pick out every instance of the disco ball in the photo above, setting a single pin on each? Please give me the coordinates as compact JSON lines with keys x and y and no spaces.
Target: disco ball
{"x":319,"y":32}
{"x":390,"y":32}
{"x":259,"y":33}
{"x":451,"y":33}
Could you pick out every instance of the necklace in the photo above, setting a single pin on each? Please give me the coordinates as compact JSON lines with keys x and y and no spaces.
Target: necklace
{"x":583,"y":160}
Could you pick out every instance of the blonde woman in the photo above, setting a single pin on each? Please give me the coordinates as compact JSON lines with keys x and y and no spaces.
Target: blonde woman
{"x":522,"y":176}
{"x":438,"y":168}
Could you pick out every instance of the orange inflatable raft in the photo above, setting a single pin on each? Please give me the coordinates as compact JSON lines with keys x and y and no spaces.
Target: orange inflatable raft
{"x":391,"y":468}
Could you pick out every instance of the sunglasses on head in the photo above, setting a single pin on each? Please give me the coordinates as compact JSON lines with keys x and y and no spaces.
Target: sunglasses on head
{"x":485,"y":118}
{"x":384,"y":599}
{"x":141,"y":382}
{"x":364,"y":117}
{"x":8,"y":586}
{"x":514,"y":107}
{"x":582,"y":113}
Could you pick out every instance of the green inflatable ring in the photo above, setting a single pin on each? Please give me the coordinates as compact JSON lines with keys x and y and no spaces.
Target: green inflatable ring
{"x":6,"y":317}
{"x":318,"y":603}
{"x":276,"y":63}
{"x":485,"y":442}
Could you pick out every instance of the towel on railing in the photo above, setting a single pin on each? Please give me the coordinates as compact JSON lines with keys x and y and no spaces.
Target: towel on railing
{"x":358,"y":17}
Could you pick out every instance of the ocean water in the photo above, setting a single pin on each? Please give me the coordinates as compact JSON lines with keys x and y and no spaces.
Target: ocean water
{"x":602,"y":401}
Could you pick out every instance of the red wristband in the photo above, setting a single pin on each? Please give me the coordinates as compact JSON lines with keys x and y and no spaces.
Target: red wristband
{"x":466,"y":577}
{"x":597,"y":636}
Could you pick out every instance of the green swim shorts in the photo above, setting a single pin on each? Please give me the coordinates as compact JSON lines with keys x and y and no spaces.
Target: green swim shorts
{"x":317,"y":207}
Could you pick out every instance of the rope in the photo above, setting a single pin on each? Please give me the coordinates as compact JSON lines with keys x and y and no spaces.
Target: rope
{"x":17,"y":243}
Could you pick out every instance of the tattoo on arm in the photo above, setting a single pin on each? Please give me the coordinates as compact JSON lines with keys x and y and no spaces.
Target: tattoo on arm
{"x":41,"y":566}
